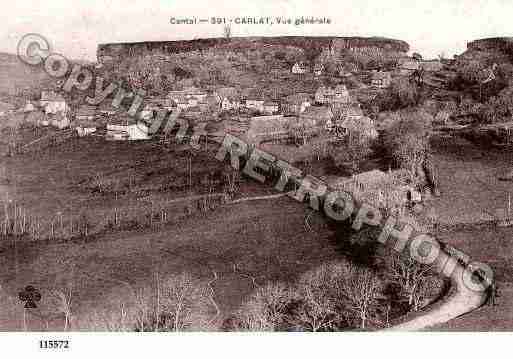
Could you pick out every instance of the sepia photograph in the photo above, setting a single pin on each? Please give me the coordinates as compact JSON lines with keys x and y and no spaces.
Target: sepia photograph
{"x":255,"y":172}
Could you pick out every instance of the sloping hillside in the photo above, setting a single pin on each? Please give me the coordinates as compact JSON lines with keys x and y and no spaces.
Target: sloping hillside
{"x":16,"y":76}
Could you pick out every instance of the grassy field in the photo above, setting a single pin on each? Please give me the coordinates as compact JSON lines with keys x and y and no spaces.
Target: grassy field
{"x":237,"y":242}
{"x":471,"y":193}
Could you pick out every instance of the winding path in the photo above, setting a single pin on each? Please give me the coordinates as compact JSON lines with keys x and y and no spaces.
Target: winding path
{"x":459,"y":301}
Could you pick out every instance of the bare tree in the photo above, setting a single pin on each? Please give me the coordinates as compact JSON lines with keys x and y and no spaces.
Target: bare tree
{"x":267,"y":309}
{"x":362,"y":289}
{"x":411,"y":276}
{"x":317,"y":310}
{"x":184,"y":303}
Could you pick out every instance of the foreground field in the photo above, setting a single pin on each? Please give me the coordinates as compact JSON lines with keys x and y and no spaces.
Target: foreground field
{"x":266,"y":241}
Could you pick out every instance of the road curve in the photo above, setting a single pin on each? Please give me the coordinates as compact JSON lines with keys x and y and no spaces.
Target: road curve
{"x":460,"y":300}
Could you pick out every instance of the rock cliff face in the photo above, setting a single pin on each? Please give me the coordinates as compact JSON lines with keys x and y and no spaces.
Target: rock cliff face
{"x":503,"y":44}
{"x":116,"y":51}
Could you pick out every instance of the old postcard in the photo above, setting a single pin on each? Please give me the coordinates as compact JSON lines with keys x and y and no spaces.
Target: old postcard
{"x":265,"y":166}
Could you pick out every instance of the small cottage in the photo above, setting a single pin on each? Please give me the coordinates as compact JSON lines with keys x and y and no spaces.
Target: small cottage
{"x":299,"y":68}
{"x":86,"y":112}
{"x":297,"y":103}
{"x":271,"y":107}
{"x":381,"y":79}
{"x":52,"y":102}
{"x":318,"y":69}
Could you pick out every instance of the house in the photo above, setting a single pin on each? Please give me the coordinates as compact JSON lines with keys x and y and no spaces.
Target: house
{"x":84,"y":127}
{"x":341,"y":93}
{"x":255,"y":103}
{"x":361,"y":124}
{"x":106,"y":108}
{"x":230,"y":103}
{"x":86,"y":112}
{"x":385,"y":190}
{"x":326,"y":95}
{"x":185,"y":98}
{"x":182,"y":103}
{"x":29,"y":107}
{"x":347,"y":69}
{"x":432,"y":66}
{"x":407,"y":67}
{"x":323,"y":95}
{"x":318,"y":69}
{"x":60,"y":121}
{"x":299,"y":68}
{"x":130,"y":130}
{"x":489,"y":74}
{"x":297,"y":103}
{"x":320,"y":116}
{"x":5,"y":108}
{"x":53,"y":102}
{"x":35,"y":117}
{"x":85,"y":131}
{"x":228,"y":98}
{"x":381,"y":79}
{"x":442,"y":117}
{"x":271,"y":107}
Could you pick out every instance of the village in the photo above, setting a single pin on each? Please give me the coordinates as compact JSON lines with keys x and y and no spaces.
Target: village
{"x":409,"y":136}
{"x":329,"y":115}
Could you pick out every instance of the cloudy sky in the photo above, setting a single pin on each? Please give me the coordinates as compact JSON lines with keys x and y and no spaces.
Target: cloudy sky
{"x":74,"y":28}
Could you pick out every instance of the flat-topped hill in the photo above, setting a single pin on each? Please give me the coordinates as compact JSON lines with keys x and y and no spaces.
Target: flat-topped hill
{"x":111,"y":51}
{"x":504,"y":44}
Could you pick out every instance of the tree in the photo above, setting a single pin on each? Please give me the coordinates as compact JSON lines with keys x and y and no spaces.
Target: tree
{"x":416,"y":280}
{"x":402,"y":93}
{"x":361,"y":290}
{"x":407,"y":141}
{"x":350,"y":153}
{"x":266,"y":310}
{"x":416,"y":56}
{"x":182,"y":303}
{"x":317,"y":310}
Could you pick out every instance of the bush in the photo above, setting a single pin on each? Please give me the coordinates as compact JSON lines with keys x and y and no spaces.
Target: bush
{"x":401,"y":94}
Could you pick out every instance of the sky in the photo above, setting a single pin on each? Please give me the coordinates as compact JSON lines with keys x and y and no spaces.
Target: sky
{"x":431,"y":27}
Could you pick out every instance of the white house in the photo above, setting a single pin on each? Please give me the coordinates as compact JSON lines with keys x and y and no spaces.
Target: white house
{"x":131,"y":132}
{"x":255,"y":104}
{"x":53,"y":102}
{"x":230,"y":103}
{"x":298,"y":69}
{"x":29,"y":107}
{"x":85,"y":131}
{"x":271,"y":107}
{"x":318,"y":69}
{"x":5,"y":108}
{"x":60,"y":121}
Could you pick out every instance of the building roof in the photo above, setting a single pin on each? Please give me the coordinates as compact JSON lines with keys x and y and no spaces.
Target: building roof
{"x":50,"y":95}
{"x":86,"y":110}
{"x":227,"y":92}
{"x":341,"y":88}
{"x":362,"y":124}
{"x":260,"y":125}
{"x":410,"y":65}
{"x":381,"y":75}
{"x":371,"y":177}
{"x":299,"y":97}
{"x":5,"y":106}
{"x":270,"y":103}
{"x":318,"y":112}
{"x":433,"y":65}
